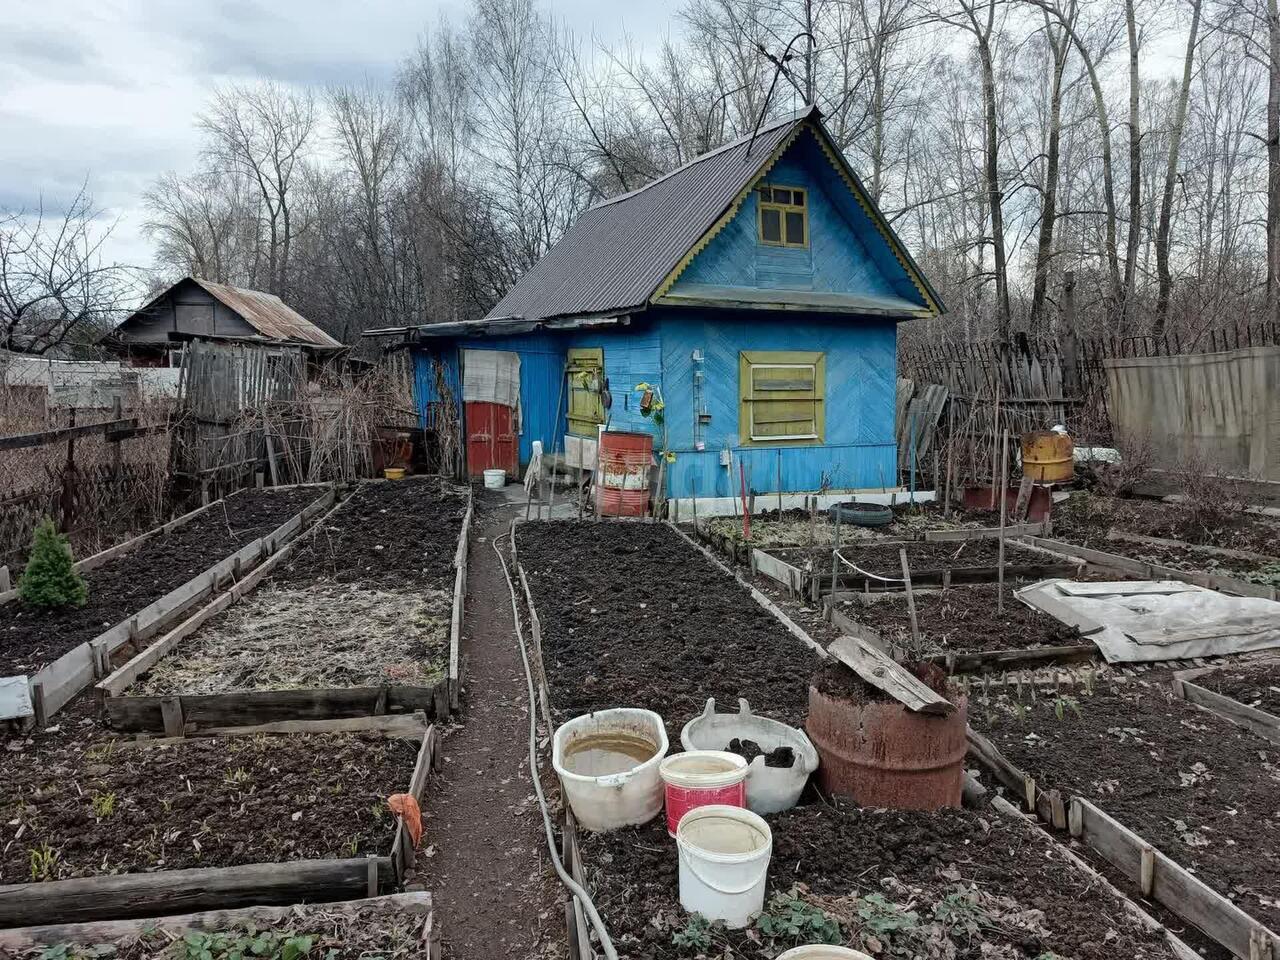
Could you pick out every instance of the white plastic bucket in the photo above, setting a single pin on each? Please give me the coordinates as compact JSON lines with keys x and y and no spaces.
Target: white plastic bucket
{"x":615,"y":800}
{"x":822,"y":951}
{"x":699,"y":778}
{"x":495,"y":479}
{"x":769,"y":789}
{"x":724,"y":863}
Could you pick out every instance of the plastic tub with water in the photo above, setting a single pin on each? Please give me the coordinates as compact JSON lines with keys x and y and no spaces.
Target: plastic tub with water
{"x":724,"y":863}
{"x":495,"y":479}
{"x":607,"y":763}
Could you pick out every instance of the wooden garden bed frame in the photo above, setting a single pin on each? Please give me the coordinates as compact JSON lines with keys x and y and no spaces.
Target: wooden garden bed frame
{"x":1151,"y":571}
{"x":816,"y":584}
{"x":1159,"y":878}
{"x":980,"y":661}
{"x":1260,"y":722}
{"x":182,"y":714}
{"x":417,"y":904}
{"x":57,"y":683}
{"x":580,"y":947}
{"x":128,"y":895}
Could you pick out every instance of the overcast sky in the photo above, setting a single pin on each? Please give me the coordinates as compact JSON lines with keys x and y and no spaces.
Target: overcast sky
{"x":108,"y":89}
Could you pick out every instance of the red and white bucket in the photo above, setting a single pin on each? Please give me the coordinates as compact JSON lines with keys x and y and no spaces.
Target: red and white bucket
{"x":699,"y":778}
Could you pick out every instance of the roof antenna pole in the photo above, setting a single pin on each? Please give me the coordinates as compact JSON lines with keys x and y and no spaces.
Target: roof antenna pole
{"x":780,"y":65}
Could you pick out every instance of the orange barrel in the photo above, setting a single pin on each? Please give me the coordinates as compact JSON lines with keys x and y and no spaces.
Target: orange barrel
{"x":623,"y":473}
{"x":1048,"y":457}
{"x":883,"y":755}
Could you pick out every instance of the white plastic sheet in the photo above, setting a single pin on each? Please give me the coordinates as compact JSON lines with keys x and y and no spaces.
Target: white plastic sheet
{"x":1142,"y":620}
{"x":491,"y":376}
{"x":15,"y":698}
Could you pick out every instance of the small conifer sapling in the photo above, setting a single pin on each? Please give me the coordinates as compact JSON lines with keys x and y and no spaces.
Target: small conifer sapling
{"x":50,"y":579}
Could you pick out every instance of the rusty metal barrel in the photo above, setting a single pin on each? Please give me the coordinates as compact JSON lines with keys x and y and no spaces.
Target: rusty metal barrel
{"x":881,"y":754}
{"x":1048,"y":457}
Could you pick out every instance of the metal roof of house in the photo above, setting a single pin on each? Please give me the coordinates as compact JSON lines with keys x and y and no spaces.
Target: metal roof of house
{"x":618,"y":252}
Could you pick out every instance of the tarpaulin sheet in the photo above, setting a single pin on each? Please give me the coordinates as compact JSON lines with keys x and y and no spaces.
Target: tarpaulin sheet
{"x":15,"y":698}
{"x":1133,"y":621}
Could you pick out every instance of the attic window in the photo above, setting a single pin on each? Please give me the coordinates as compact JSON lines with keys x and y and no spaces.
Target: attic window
{"x":784,"y":216}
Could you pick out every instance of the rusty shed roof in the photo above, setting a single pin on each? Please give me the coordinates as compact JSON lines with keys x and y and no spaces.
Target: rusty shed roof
{"x":269,"y":315}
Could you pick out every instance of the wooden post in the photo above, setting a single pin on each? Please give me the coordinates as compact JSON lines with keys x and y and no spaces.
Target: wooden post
{"x":271,"y":459}
{"x":1147,"y":871}
{"x":68,"y":496}
{"x":5,"y":585}
{"x":37,"y":706}
{"x":1004,"y":509}
{"x":116,"y":414}
{"x":911,"y":603}
{"x":951,"y":453}
{"x":171,"y":715}
{"x":835,"y":562}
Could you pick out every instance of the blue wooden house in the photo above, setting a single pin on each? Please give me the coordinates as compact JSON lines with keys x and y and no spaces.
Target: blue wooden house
{"x":756,"y":289}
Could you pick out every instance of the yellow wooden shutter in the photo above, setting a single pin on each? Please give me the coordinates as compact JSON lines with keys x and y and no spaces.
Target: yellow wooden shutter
{"x":782,"y":397}
{"x":586,"y":380}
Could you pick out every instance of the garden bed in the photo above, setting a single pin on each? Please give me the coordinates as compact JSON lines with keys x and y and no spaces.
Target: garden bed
{"x":358,"y":619}
{"x":1245,"y":693}
{"x":954,"y":884}
{"x":1090,"y":518}
{"x":32,"y":637}
{"x":399,"y":924}
{"x":111,"y":829}
{"x":632,"y":615}
{"x":961,"y":627}
{"x":1199,"y":790}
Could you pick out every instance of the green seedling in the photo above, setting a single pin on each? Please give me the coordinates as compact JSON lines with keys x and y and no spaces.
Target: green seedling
{"x":1062,"y":703}
{"x":104,"y":805}
{"x":695,"y":936}
{"x":44,"y":863}
{"x":791,"y":920}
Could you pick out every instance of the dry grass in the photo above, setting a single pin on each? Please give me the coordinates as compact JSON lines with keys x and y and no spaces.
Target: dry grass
{"x":323,"y":636}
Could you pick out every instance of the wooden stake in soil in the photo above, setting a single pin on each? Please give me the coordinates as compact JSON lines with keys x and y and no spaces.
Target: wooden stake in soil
{"x":916,"y":649}
{"x":835,"y":556}
{"x":951,"y":456}
{"x":1004,"y":509}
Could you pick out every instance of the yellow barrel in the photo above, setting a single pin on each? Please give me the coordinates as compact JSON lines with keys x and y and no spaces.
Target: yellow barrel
{"x":1048,"y":457}
{"x":394,"y":473}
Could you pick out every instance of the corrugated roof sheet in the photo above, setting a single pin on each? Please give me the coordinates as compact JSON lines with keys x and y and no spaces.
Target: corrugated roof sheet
{"x":619,"y":251}
{"x":269,"y":315}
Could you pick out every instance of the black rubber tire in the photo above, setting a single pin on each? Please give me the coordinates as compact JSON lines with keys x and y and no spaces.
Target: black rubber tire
{"x":862,"y":514}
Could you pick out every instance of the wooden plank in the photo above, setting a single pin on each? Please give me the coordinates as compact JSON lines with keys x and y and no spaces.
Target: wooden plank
{"x":460,"y":559}
{"x":22,"y":440}
{"x":776,"y":569}
{"x":878,"y":670}
{"x":1171,"y":885}
{"x":174,"y":891}
{"x":104,"y":931}
{"x":1265,"y":725}
{"x":999,"y":661}
{"x":985,"y":533}
{"x":256,"y":707}
{"x":396,"y":726}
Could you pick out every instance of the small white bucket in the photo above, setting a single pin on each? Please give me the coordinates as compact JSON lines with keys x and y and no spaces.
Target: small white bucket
{"x":611,"y":801}
{"x":724,"y":863}
{"x":822,"y":951}
{"x":495,"y":479}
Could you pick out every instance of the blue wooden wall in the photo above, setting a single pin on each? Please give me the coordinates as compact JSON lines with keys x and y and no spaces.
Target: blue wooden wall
{"x":632,"y":355}
{"x":859,"y":448}
{"x":846,"y":253}
{"x":541,"y":367}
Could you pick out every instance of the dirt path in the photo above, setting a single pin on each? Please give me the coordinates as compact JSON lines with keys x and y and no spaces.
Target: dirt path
{"x":490,"y":873}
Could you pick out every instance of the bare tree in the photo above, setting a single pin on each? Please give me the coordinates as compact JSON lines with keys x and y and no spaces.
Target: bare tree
{"x":55,"y":288}
{"x":260,"y":133}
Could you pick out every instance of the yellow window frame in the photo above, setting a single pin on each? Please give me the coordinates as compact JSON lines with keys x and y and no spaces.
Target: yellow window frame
{"x":778,"y":387}
{"x":782,"y":209}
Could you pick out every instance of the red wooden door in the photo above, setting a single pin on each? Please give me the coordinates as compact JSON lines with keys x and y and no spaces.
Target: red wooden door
{"x":491,"y":439}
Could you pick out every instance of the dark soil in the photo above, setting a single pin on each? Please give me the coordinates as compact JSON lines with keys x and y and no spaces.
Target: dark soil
{"x":1199,"y":788}
{"x":982,"y":885}
{"x":834,"y":679}
{"x":783,"y":757}
{"x":1253,"y":685}
{"x":389,"y":534}
{"x":31,"y":637}
{"x":73,"y":810}
{"x":882,"y":559}
{"x":1088,"y":518}
{"x":352,"y":933}
{"x":961,"y":619}
{"x":634,"y":616}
